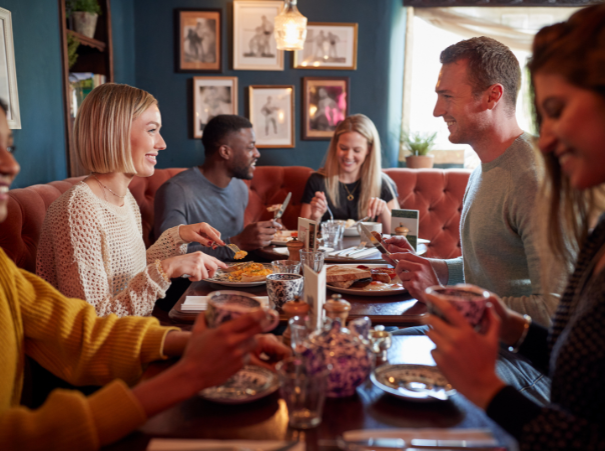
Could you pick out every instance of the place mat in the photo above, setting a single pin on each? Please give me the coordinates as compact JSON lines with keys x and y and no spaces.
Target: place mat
{"x":472,"y":437}
{"x":200,"y":303}
{"x":161,"y":444}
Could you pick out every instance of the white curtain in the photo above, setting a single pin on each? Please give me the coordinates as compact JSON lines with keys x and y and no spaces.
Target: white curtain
{"x":513,"y":26}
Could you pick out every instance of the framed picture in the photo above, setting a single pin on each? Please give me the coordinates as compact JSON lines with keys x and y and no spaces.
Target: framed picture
{"x":325,"y":105}
{"x":271,"y":111}
{"x":8,"y":74}
{"x":212,"y":96}
{"x":198,"y":40}
{"x":328,"y":46}
{"x":254,"y":46}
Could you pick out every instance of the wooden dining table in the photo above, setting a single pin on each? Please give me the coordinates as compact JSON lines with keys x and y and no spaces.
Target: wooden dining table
{"x":267,"y":418}
{"x":399,"y":310}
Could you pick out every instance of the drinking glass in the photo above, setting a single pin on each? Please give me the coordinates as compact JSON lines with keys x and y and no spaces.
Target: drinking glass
{"x":331,"y":232}
{"x":342,"y":223}
{"x":303,"y":391}
{"x":313,"y":259}
{"x":285,"y":267}
{"x":299,"y":332}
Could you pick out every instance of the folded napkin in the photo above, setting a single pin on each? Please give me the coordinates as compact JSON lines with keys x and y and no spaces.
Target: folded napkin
{"x":285,"y":251}
{"x":472,"y":437}
{"x":200,"y":303}
{"x":160,"y":444}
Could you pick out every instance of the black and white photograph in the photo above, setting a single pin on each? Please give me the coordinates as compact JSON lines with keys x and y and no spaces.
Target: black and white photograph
{"x":199,"y":35}
{"x":212,"y":96}
{"x":328,"y":46}
{"x":8,"y":75}
{"x":271,"y":111}
{"x":254,"y":45}
{"x":325,"y":105}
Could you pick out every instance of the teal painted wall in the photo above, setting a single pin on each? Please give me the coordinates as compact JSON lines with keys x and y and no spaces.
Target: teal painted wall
{"x":376,"y":86}
{"x":41,"y":140}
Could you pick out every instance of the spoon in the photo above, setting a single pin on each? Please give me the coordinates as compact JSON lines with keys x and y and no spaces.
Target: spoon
{"x":428,"y":389}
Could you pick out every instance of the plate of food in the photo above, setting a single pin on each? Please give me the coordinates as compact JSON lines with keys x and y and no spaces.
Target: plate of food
{"x":363,"y":280}
{"x":349,"y":229}
{"x":248,"y":384}
{"x":413,"y":382}
{"x":242,"y":275}
{"x":283,"y":237}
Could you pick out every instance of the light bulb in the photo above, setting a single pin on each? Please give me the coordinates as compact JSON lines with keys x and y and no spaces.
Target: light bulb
{"x":290,"y":27}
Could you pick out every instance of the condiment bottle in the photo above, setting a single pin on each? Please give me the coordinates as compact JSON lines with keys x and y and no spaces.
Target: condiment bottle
{"x":337,"y":308}
{"x":297,"y":307}
{"x":294,"y":247}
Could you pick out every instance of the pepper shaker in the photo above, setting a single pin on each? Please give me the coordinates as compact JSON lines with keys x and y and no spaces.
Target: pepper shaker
{"x":337,"y":308}
{"x":297,"y":307}
{"x":294,"y":247}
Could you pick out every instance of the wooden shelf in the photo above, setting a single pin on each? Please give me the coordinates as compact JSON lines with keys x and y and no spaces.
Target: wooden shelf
{"x":90,"y":42}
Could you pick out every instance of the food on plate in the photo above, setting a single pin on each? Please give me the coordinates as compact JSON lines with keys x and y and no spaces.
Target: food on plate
{"x":342,"y":276}
{"x":249,"y":272}
{"x":240,"y":254}
{"x":349,"y":223}
{"x":401,"y":230}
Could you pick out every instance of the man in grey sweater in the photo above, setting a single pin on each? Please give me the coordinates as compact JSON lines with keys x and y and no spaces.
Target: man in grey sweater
{"x":477,"y":90}
{"x":215,"y":192}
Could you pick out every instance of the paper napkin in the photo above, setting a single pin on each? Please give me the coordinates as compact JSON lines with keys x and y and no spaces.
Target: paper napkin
{"x":200,"y":303}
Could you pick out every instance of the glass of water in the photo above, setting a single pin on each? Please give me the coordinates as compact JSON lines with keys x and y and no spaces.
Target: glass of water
{"x":285,"y":267}
{"x":303,"y":391}
{"x":313,"y":259}
{"x":331,"y":232}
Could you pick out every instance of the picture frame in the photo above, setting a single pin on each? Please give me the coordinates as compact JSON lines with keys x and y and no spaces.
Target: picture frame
{"x":325,"y":103}
{"x":198,"y":40}
{"x":8,"y":72}
{"x":212,"y":96}
{"x":254,"y":45}
{"x":328,"y":46}
{"x":271,"y":111}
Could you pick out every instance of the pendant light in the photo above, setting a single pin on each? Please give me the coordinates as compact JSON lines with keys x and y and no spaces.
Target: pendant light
{"x":290,"y":27}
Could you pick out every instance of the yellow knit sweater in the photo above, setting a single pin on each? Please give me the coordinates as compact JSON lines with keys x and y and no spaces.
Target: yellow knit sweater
{"x":66,"y":337}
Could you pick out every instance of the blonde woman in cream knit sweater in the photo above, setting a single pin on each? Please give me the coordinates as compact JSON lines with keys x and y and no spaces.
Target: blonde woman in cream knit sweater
{"x":91,"y":245}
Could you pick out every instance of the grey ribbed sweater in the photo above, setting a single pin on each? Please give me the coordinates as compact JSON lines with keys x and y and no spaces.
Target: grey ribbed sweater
{"x":498,"y":239}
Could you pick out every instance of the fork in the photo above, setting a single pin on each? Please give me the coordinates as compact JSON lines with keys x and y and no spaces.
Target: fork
{"x":234,"y":248}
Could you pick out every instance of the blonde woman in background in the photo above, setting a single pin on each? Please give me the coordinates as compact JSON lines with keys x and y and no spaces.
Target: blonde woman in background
{"x":91,"y":245}
{"x":351,"y":183}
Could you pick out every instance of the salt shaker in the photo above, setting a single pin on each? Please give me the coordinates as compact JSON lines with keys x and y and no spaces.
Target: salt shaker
{"x":337,"y":308}
{"x":294,"y":247}
{"x":297,"y":307}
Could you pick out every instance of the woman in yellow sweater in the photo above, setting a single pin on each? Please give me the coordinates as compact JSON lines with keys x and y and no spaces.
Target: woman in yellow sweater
{"x":68,"y":338}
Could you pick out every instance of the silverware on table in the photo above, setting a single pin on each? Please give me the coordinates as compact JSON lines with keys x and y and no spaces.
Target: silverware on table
{"x":283,"y":207}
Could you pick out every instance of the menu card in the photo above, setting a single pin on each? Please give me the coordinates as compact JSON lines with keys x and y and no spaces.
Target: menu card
{"x":307,"y":233}
{"x":409,"y":220}
{"x":315,"y":294}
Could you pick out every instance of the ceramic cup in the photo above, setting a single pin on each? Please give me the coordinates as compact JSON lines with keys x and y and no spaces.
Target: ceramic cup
{"x":282,"y":288}
{"x":226,"y":305}
{"x":372,"y":226}
{"x":469,"y":300}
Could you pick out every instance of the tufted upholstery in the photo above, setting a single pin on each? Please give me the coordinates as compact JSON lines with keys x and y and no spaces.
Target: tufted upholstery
{"x":436,"y":193}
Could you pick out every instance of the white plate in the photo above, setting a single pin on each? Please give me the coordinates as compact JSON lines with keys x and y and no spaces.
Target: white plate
{"x":283,"y":237}
{"x":247,"y":385}
{"x":390,"y":378}
{"x":361,"y":291}
{"x":221,"y":278}
{"x":285,"y":251}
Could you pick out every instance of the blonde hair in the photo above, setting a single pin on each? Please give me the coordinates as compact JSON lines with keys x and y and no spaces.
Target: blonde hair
{"x":371,"y":169}
{"x":102,"y":127}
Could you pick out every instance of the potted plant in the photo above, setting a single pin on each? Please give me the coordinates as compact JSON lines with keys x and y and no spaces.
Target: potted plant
{"x":85,"y":14}
{"x":419,"y":144}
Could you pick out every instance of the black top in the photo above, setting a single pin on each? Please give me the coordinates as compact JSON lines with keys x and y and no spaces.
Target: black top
{"x":573,"y":353}
{"x":348,"y":208}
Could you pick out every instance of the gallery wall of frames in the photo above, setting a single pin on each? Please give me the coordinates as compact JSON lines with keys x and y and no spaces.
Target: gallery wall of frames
{"x":270,"y":107}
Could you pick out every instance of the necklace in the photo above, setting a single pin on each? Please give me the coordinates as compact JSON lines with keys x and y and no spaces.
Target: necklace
{"x":350,"y":196}
{"x":108,"y":189}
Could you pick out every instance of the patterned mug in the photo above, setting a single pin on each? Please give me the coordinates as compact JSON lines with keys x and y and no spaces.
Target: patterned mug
{"x":282,"y":288}
{"x":469,"y":300}
{"x":226,"y":305}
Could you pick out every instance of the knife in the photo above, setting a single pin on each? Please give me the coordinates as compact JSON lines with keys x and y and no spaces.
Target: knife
{"x":377,"y":244}
{"x":283,"y":206}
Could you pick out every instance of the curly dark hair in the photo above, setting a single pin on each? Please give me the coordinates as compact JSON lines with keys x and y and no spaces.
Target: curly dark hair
{"x":219,"y":127}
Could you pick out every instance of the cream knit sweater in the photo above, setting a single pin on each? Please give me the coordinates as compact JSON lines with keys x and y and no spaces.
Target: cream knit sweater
{"x":93,"y":250}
